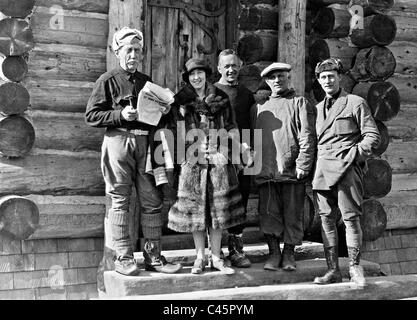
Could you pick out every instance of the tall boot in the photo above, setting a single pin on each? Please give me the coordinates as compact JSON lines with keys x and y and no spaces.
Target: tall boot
{"x":154,"y":261}
{"x":333,"y":274}
{"x":237,"y":256}
{"x":274,"y":260}
{"x":288,"y":257}
{"x":355,"y":270}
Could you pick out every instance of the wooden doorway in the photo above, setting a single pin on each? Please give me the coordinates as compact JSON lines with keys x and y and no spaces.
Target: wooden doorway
{"x":181,"y":29}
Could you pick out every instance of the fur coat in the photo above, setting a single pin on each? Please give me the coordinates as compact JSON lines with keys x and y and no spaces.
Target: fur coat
{"x":208,"y":194}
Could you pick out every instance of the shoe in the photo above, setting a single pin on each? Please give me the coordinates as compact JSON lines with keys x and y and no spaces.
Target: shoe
{"x":274,"y":261}
{"x":156,"y":262}
{"x":288,"y":258}
{"x":126,"y":266}
{"x":356,"y":272}
{"x":198,"y":267}
{"x":221,"y":266}
{"x":333,"y":274}
{"x":236,"y":255}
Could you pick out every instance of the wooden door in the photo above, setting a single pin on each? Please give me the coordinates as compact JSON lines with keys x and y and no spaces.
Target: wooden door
{"x":181,"y":29}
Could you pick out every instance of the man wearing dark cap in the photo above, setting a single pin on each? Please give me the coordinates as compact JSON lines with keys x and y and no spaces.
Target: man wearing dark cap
{"x":346,"y":134}
{"x":241,"y":100}
{"x":287,"y":122}
{"x":112,"y":105}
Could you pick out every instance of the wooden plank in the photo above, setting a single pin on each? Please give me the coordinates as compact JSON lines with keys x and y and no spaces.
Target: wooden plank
{"x":291,"y":45}
{"x":52,"y":172}
{"x":186,"y":33}
{"x":198,"y":35}
{"x":69,"y":27}
{"x":69,"y":216}
{"x":171,"y":52}
{"x":123,"y":14}
{"x":65,"y":131}
{"x":98,"y":6}
{"x":159,"y":62}
{"x":66,"y":62}
{"x":232,"y":24}
{"x":65,"y":96}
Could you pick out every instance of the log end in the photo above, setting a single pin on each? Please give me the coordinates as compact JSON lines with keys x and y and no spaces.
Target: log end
{"x":378,"y":179}
{"x":373,"y":220}
{"x":19,"y":217}
{"x":17,"y":136}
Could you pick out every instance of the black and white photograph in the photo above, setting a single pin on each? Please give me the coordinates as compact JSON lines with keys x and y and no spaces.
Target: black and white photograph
{"x":208,"y":158}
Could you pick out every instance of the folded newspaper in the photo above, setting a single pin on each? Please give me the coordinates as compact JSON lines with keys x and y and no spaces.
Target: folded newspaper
{"x":153,"y":102}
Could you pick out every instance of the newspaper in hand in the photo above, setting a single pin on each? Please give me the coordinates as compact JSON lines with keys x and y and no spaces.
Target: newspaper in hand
{"x":153,"y":102}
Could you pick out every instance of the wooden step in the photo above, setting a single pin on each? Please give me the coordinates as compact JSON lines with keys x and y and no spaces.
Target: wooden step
{"x":378,"y":288}
{"x":255,"y":252}
{"x":148,"y":283}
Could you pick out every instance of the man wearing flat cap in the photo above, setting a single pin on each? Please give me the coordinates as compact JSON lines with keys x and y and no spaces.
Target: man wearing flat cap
{"x":112,"y":105}
{"x":346,"y":135}
{"x":287,"y":122}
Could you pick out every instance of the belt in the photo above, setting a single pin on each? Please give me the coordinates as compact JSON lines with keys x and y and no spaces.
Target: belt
{"x":333,"y":146}
{"x":137,"y":132}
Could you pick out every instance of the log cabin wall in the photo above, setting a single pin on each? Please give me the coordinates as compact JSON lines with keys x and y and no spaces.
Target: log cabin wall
{"x":61,"y":173}
{"x":396,"y":249}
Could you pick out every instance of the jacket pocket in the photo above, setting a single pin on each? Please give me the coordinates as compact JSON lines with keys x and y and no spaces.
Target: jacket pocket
{"x":345,"y":126}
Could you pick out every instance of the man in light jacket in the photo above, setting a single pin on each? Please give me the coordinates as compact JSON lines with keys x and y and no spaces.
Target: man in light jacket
{"x":346,"y":135}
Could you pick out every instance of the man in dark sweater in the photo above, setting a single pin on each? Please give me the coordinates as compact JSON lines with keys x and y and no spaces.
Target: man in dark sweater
{"x":241,"y":99}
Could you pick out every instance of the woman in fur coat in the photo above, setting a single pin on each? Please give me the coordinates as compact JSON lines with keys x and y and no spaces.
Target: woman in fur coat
{"x":208,"y":197}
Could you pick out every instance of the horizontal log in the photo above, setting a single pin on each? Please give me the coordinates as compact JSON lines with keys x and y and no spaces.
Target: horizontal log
{"x":404,"y":125}
{"x":406,"y":86}
{"x":98,"y":6}
{"x":16,"y":37}
{"x":13,"y":68}
{"x":322,"y":49}
{"x":52,"y":172}
{"x":69,"y":216}
{"x":405,"y":5}
{"x":19,"y":217}
{"x":250,"y":77}
{"x":401,"y":209}
{"x":65,"y":96}
{"x":255,"y":18}
{"x":378,"y":179}
{"x":404,"y":182}
{"x":258,"y":46}
{"x":401,"y":156}
{"x":321,"y":3}
{"x":404,"y":53}
{"x":406,"y":22}
{"x":382,"y":97}
{"x":14,"y":98}
{"x":373,"y":220}
{"x":261,"y":2}
{"x":373,"y":64}
{"x":66,"y":62}
{"x":378,"y":29}
{"x":373,"y":6}
{"x":332,"y":22}
{"x":16,"y":136}
{"x":69,"y":27}
{"x":65,"y":131}
{"x":16,"y":9}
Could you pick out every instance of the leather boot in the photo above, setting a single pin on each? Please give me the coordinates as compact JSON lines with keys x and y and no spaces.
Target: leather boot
{"x":236,"y":255}
{"x":288,"y":257}
{"x":355,"y":270}
{"x":274,"y":260}
{"x":154,"y":261}
{"x":333,"y":274}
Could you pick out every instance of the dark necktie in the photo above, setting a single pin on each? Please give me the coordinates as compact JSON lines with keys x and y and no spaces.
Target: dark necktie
{"x":327,"y":105}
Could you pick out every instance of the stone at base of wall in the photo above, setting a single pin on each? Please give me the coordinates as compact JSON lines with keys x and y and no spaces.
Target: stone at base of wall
{"x":395,"y":251}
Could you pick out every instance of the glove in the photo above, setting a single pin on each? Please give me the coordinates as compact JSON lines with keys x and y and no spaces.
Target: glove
{"x":169,"y":191}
